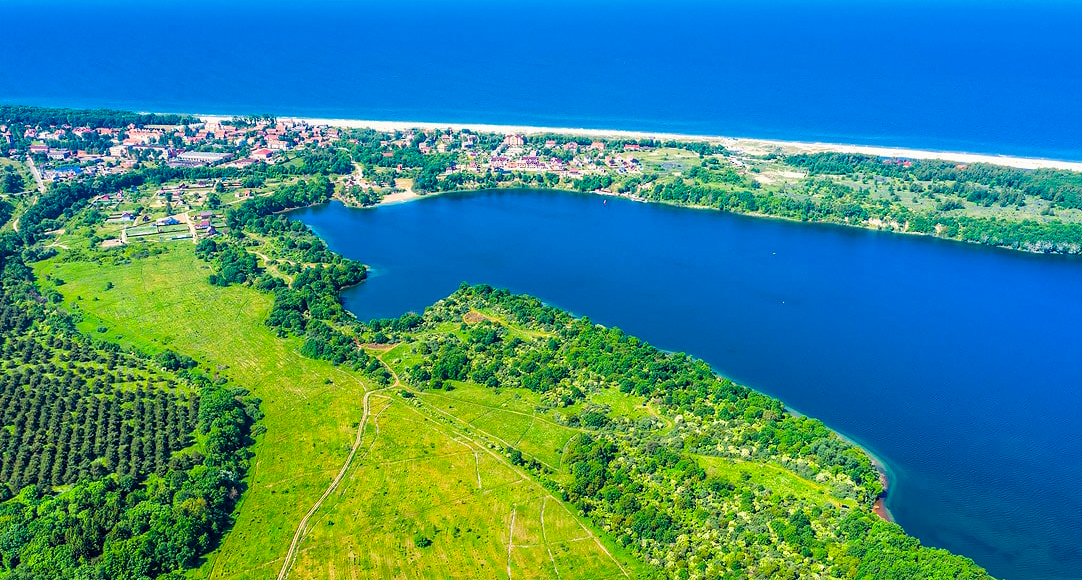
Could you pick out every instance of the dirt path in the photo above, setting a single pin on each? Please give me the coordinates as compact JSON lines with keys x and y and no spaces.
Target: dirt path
{"x":15,"y":222}
{"x":480,"y":445}
{"x":185,"y":218}
{"x":511,"y":539}
{"x":303,"y":525}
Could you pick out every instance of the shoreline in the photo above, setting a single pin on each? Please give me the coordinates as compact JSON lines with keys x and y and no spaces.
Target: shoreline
{"x":749,"y":145}
{"x":410,"y":196}
{"x":879,"y":506}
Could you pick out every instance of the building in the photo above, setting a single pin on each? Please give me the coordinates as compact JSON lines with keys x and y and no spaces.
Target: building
{"x":199,"y":158}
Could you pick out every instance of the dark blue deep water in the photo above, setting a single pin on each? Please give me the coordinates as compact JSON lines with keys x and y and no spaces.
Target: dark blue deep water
{"x":957,"y":365}
{"x":972,"y":75}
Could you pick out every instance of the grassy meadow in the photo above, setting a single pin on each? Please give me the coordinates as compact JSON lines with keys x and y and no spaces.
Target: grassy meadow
{"x":417,"y":473}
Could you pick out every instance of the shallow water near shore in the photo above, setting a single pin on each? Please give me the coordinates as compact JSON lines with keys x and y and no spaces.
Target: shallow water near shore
{"x":955,"y":364}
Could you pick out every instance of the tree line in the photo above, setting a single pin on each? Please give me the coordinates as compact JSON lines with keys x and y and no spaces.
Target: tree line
{"x":47,"y":116}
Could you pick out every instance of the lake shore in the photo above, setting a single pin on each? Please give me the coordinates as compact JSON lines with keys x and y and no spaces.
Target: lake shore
{"x":739,"y":144}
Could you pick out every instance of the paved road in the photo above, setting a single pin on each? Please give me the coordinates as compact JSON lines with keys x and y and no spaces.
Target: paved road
{"x":37,"y":174}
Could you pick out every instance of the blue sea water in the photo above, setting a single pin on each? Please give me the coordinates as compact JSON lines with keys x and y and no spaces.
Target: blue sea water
{"x":957,"y":365}
{"x":984,"y":76}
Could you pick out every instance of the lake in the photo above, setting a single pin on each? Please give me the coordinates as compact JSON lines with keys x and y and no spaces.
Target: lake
{"x":958,"y":365}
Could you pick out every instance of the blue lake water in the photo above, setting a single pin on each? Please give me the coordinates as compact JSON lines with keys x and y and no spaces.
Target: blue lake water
{"x":972,"y":75}
{"x":956,"y":364}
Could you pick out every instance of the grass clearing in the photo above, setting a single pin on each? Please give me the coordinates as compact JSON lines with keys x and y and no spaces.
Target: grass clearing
{"x":774,"y":478}
{"x":508,"y":414}
{"x":311,"y":406}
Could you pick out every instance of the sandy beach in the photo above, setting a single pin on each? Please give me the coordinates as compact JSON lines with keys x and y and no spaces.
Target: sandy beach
{"x":740,"y":144}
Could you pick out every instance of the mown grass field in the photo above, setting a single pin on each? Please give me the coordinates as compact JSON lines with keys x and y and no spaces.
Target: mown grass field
{"x":423,"y":480}
{"x":311,"y":406}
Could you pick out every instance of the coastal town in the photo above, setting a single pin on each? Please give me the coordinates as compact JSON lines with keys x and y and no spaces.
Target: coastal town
{"x":64,"y":152}
{"x":383,"y":166}
{"x":192,"y":169}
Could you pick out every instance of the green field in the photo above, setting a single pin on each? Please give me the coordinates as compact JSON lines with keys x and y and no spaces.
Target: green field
{"x":778,"y":480}
{"x":426,"y":467}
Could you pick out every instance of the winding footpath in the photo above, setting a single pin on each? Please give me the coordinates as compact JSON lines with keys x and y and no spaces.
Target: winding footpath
{"x":41,"y":189}
{"x":303,"y":525}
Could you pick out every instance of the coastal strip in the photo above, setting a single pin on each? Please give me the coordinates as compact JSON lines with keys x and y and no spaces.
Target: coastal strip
{"x":880,"y":505}
{"x":740,"y":144}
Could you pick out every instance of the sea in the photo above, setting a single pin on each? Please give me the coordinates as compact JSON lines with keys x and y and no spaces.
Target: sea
{"x":984,"y":76}
{"x":958,"y":365}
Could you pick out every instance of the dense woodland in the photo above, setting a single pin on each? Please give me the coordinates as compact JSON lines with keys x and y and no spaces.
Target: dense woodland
{"x":11,"y":181}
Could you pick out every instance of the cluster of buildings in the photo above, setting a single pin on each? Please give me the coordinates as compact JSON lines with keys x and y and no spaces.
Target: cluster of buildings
{"x":242,"y":143}
{"x":71,"y":151}
{"x":569,"y":159}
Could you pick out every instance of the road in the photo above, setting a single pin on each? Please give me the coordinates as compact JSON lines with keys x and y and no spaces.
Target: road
{"x":36,"y":173}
